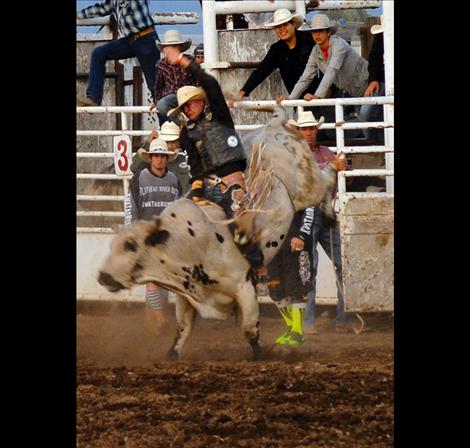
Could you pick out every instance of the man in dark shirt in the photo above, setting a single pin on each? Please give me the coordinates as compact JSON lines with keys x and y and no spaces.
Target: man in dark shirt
{"x":290,"y":276}
{"x":376,"y":85}
{"x":216,"y":156}
{"x":289,"y":54}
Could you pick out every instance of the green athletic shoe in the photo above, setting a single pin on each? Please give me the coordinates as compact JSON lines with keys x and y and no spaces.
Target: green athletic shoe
{"x":282,"y":340}
{"x":294,"y":339}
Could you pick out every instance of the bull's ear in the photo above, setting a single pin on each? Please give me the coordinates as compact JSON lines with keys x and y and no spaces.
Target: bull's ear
{"x":154,"y":234}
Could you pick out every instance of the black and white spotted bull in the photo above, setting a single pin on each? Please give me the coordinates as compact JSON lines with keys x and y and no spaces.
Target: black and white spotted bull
{"x":186,"y":251}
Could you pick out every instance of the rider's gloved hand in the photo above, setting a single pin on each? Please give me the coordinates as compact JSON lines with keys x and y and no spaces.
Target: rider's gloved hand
{"x":197,"y":191}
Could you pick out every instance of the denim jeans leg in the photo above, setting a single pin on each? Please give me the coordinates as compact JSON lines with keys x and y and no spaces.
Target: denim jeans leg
{"x":114,"y":50}
{"x":164,"y":105}
{"x":148,"y":54}
{"x":370,"y":113}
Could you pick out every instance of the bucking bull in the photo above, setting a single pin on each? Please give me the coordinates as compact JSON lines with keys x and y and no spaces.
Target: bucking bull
{"x":189,"y":251}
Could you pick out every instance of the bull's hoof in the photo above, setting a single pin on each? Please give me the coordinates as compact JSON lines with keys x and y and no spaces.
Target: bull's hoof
{"x":259,"y":353}
{"x":172,"y":355}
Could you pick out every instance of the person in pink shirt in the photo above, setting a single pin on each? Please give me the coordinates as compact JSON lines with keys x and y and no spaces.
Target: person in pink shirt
{"x":322,"y":232}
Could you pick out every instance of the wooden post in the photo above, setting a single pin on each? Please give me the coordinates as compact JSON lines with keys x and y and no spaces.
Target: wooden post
{"x":119,"y":90}
{"x":119,"y":70}
{"x":136,"y":101}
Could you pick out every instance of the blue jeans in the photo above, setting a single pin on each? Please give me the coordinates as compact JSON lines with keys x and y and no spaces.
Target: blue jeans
{"x":371,"y":112}
{"x":144,"y":49}
{"x":321,"y":235}
{"x":164,"y":105}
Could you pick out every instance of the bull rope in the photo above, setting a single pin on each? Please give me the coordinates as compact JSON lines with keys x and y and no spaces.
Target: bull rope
{"x":258,"y":187}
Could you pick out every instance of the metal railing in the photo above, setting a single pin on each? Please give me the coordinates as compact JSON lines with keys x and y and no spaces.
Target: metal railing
{"x":161,"y":18}
{"x":339,"y":125}
{"x":210,"y":9}
{"x":212,"y":64}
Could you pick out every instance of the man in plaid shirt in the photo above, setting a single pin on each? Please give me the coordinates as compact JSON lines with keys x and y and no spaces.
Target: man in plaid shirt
{"x":171,"y":77}
{"x":136,"y":25}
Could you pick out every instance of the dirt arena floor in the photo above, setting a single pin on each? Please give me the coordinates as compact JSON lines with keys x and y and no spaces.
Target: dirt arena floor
{"x":334,"y":391}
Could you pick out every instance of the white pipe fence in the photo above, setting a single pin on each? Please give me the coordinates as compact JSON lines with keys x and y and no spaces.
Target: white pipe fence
{"x":342,"y":175}
{"x":98,"y":213}
{"x":96,"y":197}
{"x":95,"y":230}
{"x":95,"y":155}
{"x":161,"y":18}
{"x":210,"y":9}
{"x":101,"y":176}
{"x":237,"y":7}
{"x":339,"y":125}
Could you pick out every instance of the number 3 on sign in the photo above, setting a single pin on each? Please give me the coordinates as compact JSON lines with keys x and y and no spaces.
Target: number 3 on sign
{"x":122,"y":147}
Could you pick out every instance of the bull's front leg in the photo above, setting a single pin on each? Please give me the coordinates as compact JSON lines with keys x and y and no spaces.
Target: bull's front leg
{"x":185,"y":315}
{"x":248,"y":303}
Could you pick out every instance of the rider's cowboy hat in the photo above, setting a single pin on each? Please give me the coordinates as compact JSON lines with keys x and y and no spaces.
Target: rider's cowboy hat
{"x":376,"y":29}
{"x":173,"y":37}
{"x":169,"y":131}
{"x":306,"y":119}
{"x":157,"y":146}
{"x":283,"y":15}
{"x":185,"y":94}
{"x":319,"y":22}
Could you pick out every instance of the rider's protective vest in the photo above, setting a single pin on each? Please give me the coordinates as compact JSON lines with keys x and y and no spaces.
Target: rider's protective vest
{"x":216,"y":143}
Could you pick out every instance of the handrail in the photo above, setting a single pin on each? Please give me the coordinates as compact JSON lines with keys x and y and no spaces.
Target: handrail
{"x":248,"y":104}
{"x":161,"y":18}
{"x":339,"y":125}
{"x":234,"y":7}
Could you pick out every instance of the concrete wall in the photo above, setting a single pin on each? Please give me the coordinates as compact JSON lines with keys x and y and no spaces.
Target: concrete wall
{"x":93,"y":248}
{"x":94,"y":121}
{"x":367,"y":245}
{"x":95,"y":144}
{"x":248,"y":46}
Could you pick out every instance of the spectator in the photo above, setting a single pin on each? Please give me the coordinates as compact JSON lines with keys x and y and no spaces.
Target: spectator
{"x":170,"y":77}
{"x":170,"y":133}
{"x":199,"y":54}
{"x":290,"y":276}
{"x":376,"y":85}
{"x":289,"y":54}
{"x":336,"y":59}
{"x":216,"y":156}
{"x":137,"y":26}
{"x":152,"y":190}
{"x":328,"y":237}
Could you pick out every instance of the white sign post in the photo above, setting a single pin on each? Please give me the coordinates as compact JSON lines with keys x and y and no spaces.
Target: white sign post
{"x":122,"y":147}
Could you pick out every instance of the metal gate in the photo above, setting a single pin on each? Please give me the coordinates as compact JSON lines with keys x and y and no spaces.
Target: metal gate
{"x":358,"y":228}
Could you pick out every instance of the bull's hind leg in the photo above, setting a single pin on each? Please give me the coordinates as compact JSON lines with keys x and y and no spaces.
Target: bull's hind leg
{"x":248,"y":303}
{"x":185,"y":315}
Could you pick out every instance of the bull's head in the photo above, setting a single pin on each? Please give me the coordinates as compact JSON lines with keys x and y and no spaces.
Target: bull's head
{"x":127,"y":263}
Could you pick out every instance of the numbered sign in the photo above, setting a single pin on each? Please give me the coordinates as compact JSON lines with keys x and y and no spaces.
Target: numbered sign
{"x":122,"y":147}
